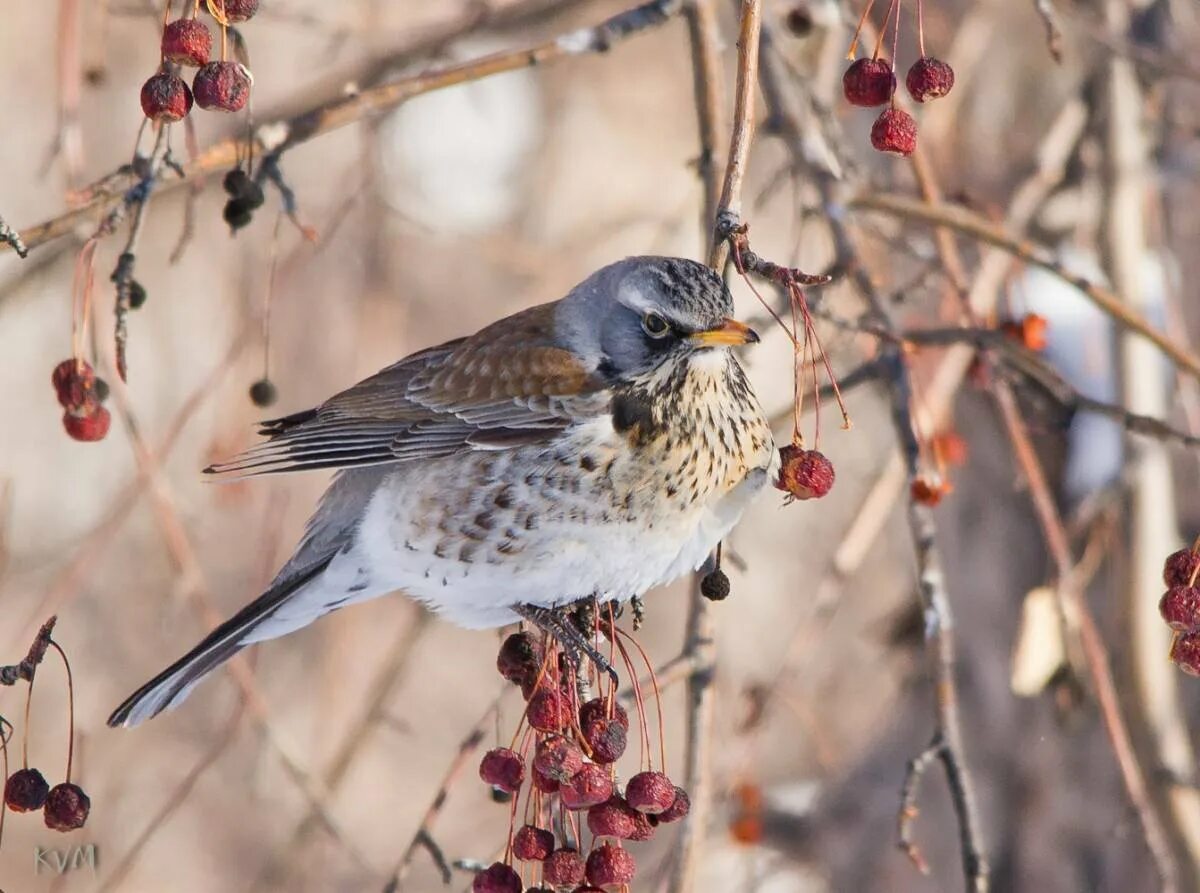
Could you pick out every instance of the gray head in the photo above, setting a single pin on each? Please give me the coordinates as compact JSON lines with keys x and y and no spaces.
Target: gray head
{"x":634,"y":315}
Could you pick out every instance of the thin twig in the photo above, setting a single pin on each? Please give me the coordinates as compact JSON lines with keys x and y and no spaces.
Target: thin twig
{"x":27,"y":668}
{"x":1045,"y":9}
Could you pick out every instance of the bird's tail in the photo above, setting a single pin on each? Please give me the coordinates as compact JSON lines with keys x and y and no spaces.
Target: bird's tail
{"x":170,"y":687}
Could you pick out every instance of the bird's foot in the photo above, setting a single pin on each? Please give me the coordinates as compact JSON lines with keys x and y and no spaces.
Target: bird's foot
{"x":568,"y":635}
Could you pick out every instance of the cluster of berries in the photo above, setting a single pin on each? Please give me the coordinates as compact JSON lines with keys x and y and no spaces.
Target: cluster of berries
{"x":567,"y":750}
{"x":804,"y":474}
{"x":218,"y":85}
{"x":1180,"y":607}
{"x":81,"y":395}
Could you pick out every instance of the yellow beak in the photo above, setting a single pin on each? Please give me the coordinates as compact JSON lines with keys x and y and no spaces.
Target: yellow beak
{"x":730,"y":332}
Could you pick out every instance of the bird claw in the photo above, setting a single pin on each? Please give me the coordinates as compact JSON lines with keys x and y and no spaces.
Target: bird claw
{"x":573,"y":641}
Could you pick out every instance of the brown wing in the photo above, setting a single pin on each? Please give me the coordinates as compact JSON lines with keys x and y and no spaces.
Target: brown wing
{"x":509,"y":384}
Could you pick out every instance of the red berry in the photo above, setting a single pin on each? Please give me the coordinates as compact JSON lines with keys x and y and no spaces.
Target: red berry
{"x":592,"y":784}
{"x":222,"y":86}
{"x":532,"y":844}
{"x":894,"y":132}
{"x":236,"y":10}
{"x":606,"y":738}
{"x":929,"y":78}
{"x":166,"y":97}
{"x":543,"y":783}
{"x":563,"y":868}
{"x":88,"y":427}
{"x":186,"y":42}
{"x":75,"y":384}
{"x":599,"y":708}
{"x":1185,"y":653}
{"x":869,"y":82}
{"x":610,"y":864}
{"x":1180,"y":608}
{"x":25,"y":790}
{"x":497,"y":878}
{"x":677,"y":810}
{"x":804,"y":474}
{"x":520,"y":658}
{"x":67,"y":807}
{"x":548,"y":711}
{"x":650,"y":792}
{"x":557,"y":758}
{"x":503,"y":768}
{"x":615,"y":818}
{"x":1178,"y":569}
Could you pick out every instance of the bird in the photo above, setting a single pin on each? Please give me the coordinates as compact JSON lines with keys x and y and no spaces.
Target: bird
{"x":596,"y":446}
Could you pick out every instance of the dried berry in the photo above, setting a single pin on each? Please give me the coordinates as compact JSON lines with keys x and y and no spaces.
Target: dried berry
{"x":497,"y":878}
{"x":894,"y":132}
{"x":101,"y":389}
{"x":1185,"y":653}
{"x":804,"y":474}
{"x":614,"y":818}
{"x":558,"y":758}
{"x":714,"y":585}
{"x":602,"y":708}
{"x":544,"y":783}
{"x":650,"y":792}
{"x":235,"y":10}
{"x":520,"y":659}
{"x":67,"y":807}
{"x":869,"y":82}
{"x":591,"y":785}
{"x":1180,"y":608}
{"x":137,"y":294}
{"x":532,"y":844}
{"x":502,"y":768}
{"x":929,"y":78}
{"x":25,"y":790}
{"x":677,"y":810}
{"x":238,"y":184}
{"x":548,"y":711}
{"x":1179,"y":568}
{"x":88,"y":427}
{"x":563,"y":868}
{"x":166,"y":97}
{"x":263,"y":393}
{"x":222,"y":86}
{"x":75,"y":384}
{"x":606,"y":738}
{"x":187,"y":42}
{"x":610,"y":864}
{"x":237,"y":213}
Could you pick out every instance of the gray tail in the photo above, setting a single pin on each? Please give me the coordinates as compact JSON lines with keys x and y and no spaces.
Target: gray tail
{"x":170,"y":687}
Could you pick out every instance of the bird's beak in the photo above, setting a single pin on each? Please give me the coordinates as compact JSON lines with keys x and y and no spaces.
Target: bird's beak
{"x":729,"y":332}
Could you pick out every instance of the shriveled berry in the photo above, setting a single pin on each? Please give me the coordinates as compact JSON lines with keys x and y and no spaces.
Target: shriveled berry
{"x":222,"y":86}
{"x":532,"y":844}
{"x":497,"y":878}
{"x":558,"y":758}
{"x":1180,"y":608}
{"x":520,"y":658}
{"x":548,"y":711}
{"x":187,"y":42}
{"x":592,"y":784}
{"x":235,"y":10}
{"x":74,"y":384}
{"x":1185,"y":653}
{"x":894,"y":132}
{"x":137,"y":294}
{"x":25,"y":790}
{"x":613,"y":818}
{"x":66,"y":808}
{"x":87,"y":427}
{"x":601,"y":708}
{"x":543,"y":783}
{"x":503,"y":768}
{"x":610,"y":864}
{"x":237,"y":213}
{"x":929,"y":78}
{"x":263,"y":393}
{"x":804,"y":474}
{"x":650,"y":792}
{"x":1180,"y":567}
{"x":607,"y":739}
{"x":166,"y":97}
{"x":238,"y":184}
{"x":869,"y":82}
{"x":563,"y":868}
{"x":677,"y":810}
{"x":714,"y":585}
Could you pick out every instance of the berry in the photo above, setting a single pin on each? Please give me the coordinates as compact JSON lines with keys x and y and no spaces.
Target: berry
{"x":533,"y":844}
{"x":520,"y":659}
{"x":610,"y":864}
{"x":497,"y":878}
{"x":804,"y":474}
{"x":650,"y":792}
{"x":544,"y":783}
{"x":25,"y":790}
{"x":894,"y":132}
{"x":67,"y":807}
{"x":598,"y":709}
{"x":591,"y":785}
{"x":1185,"y":653}
{"x":222,"y":86}
{"x":101,"y":390}
{"x":1180,"y":608}
{"x":502,"y":768}
{"x":187,"y":42}
{"x":236,"y":10}
{"x":587,"y":888}
{"x":237,"y":213}
{"x":75,"y":384}
{"x":677,"y":810}
{"x":88,"y":427}
{"x":1178,"y":568}
{"x":166,"y":97}
{"x":614,"y":818}
{"x":262,"y":392}
{"x":239,"y":185}
{"x":563,"y":868}
{"x":869,"y":82}
{"x":548,"y":711}
{"x":557,"y":758}
{"x":137,"y":294}
{"x":926,"y":492}
{"x":799,"y":20}
{"x":929,"y":78}
{"x":606,"y":738}
{"x":714,"y":585}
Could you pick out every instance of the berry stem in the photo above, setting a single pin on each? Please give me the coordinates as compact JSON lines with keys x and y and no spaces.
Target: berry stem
{"x":883,"y":32}
{"x":857,"y":31}
{"x":4,"y":736}
{"x":921,"y":27}
{"x":70,"y":707}
{"x":662,"y":735}
{"x":896,"y":41}
{"x":25,"y":730}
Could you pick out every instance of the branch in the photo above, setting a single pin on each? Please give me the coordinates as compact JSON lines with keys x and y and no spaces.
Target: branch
{"x":10,"y":236}
{"x":25,"y":670}
{"x":1049,"y":15}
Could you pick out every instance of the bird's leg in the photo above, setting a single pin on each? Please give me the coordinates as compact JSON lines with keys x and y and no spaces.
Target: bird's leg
{"x":568,"y":636}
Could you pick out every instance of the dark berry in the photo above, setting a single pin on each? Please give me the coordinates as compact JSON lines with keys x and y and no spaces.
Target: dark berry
{"x":239,"y":185}
{"x":75,"y":384}
{"x":600,"y":709}
{"x":1180,"y":608}
{"x":236,"y":10}
{"x":237,"y":213}
{"x":714,"y":585}
{"x":187,"y":42}
{"x":929,"y":78}
{"x":25,"y":790}
{"x":137,"y":294}
{"x":613,"y":818}
{"x":607,"y":739}
{"x":520,"y":658}
{"x":609,"y":864}
{"x":67,"y":807}
{"x":166,"y":97}
{"x":868,"y":82}
{"x":894,"y":132}
{"x":262,"y":392}
{"x":1179,"y":567}
{"x":804,"y":474}
{"x":591,"y":785}
{"x":548,"y":711}
{"x":87,"y":427}
{"x":532,"y":844}
{"x":222,"y":86}
{"x":558,"y":758}
{"x":502,"y":768}
{"x":677,"y":810}
{"x":101,"y":389}
{"x":497,"y":878}
{"x":650,"y":792}
{"x":1185,"y":653}
{"x":563,"y":868}
{"x":799,"y":20}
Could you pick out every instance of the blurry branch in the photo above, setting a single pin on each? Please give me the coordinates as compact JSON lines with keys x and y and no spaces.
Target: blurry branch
{"x":1045,"y":9}
{"x":703,"y":35}
{"x":276,"y":137}
{"x":27,"y":667}
{"x":10,"y":236}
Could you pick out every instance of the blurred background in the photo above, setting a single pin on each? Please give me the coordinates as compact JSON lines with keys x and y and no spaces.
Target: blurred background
{"x":469,"y":203}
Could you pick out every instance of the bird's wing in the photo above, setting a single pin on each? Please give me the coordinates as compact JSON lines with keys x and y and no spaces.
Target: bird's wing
{"x":507,"y":385}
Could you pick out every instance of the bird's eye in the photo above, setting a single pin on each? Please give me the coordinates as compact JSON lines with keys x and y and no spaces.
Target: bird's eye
{"x":655,"y":326}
